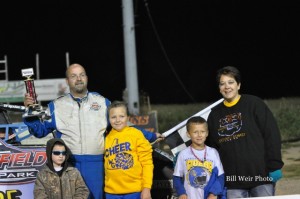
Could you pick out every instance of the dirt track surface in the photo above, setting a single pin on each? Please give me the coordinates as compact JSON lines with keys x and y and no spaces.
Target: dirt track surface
{"x":288,"y":186}
{"x":290,"y":183}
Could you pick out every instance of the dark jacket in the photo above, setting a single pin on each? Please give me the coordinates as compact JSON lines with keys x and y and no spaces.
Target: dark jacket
{"x":66,"y":184}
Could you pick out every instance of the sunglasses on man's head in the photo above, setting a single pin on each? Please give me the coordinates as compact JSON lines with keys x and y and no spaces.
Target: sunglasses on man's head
{"x":59,"y":152}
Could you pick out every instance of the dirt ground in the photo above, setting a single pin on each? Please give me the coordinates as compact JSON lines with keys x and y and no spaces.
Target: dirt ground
{"x":290,"y":183}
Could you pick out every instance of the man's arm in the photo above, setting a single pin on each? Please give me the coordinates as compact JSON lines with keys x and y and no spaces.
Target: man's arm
{"x":37,"y":127}
{"x":150,"y":136}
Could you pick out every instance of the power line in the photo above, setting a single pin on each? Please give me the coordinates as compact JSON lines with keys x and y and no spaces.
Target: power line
{"x":165,"y":53}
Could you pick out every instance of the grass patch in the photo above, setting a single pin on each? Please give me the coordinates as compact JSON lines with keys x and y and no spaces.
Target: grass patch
{"x":292,"y":170}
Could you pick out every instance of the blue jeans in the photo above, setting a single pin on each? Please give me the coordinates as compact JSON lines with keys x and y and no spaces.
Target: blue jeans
{"x":262,"y":190}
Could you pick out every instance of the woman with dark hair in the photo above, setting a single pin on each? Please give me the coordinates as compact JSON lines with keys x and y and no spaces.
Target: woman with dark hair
{"x":246,"y":135}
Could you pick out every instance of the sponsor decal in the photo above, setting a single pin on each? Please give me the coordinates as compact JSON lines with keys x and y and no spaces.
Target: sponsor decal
{"x":95,"y":106}
{"x":20,"y":165}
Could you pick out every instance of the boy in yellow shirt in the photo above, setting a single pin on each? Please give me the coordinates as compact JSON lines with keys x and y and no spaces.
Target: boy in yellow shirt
{"x":128,"y":161}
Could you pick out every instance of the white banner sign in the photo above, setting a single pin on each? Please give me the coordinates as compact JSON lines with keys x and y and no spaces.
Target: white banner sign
{"x":46,"y":90}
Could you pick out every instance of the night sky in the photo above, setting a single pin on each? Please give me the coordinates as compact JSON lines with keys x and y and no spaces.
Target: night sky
{"x":194,"y":39}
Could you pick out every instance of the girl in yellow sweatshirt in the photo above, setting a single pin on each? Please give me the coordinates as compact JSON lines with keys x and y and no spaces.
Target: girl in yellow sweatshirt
{"x":128,"y":158}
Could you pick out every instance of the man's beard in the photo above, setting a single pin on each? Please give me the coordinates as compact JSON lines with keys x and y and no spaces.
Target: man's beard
{"x":80,"y":88}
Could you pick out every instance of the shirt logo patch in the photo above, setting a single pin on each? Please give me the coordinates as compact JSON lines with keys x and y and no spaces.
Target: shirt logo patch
{"x":95,"y":106}
{"x":230,"y":124}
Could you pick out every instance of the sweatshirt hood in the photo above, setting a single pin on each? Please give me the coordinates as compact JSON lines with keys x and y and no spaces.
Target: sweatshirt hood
{"x":49,"y":149}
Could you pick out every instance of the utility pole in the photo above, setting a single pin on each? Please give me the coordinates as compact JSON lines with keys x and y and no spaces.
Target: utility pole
{"x":130,"y":57}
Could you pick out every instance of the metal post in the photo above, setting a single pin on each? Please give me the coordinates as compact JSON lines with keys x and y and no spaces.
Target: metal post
{"x":37,"y":65}
{"x":67,"y":59}
{"x":130,"y":57}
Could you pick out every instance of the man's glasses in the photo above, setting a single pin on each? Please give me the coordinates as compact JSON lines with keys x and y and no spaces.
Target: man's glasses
{"x":59,"y":152}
